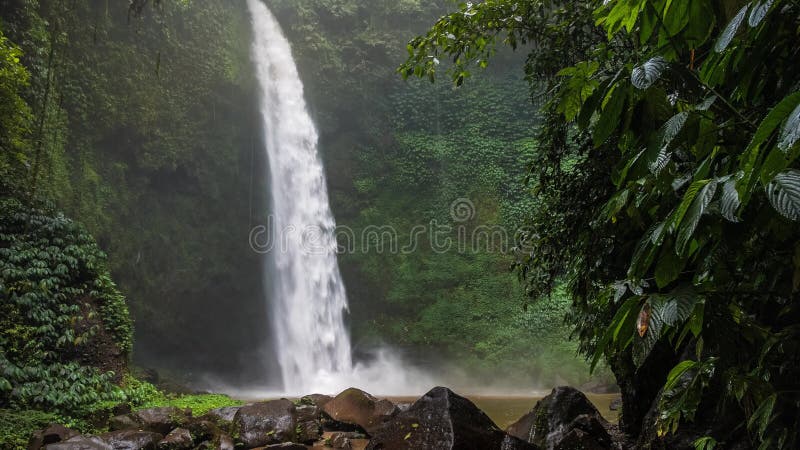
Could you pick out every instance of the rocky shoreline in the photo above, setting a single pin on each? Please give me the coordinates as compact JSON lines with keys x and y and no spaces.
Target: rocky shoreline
{"x":440,"y":419}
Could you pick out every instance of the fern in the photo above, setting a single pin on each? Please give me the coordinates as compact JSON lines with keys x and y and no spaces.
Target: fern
{"x":784,"y":193}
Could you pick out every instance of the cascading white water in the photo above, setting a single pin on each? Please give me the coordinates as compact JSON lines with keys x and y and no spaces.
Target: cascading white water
{"x":309,"y":300}
{"x":312,"y":341}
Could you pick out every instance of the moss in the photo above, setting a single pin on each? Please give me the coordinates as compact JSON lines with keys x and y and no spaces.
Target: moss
{"x":199,"y":404}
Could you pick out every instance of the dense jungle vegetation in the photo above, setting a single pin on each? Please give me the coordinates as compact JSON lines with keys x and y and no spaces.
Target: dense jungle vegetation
{"x":165,"y":175}
{"x":668,"y":199}
{"x":643,"y":155}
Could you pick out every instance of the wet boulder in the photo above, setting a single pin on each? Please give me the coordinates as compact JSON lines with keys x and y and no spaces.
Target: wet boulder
{"x":356,"y":407}
{"x":177,"y":439}
{"x":555,"y":416}
{"x":132,"y":440}
{"x":262,"y":424}
{"x":50,"y":435}
{"x":156,"y":420}
{"x":343,"y":440}
{"x":203,"y":429}
{"x":442,"y":419}
{"x":309,"y":426}
{"x":222,"y":442}
{"x":223,"y":415}
{"x":80,"y":443}
{"x":318,"y":400}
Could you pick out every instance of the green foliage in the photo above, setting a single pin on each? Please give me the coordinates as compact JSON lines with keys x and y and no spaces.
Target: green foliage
{"x":15,"y":115}
{"x":134,"y":120}
{"x":65,"y":326}
{"x":142,"y":395}
{"x":199,"y":404}
{"x":461,"y":305}
{"x":686,"y":176}
{"x":16,"y":427}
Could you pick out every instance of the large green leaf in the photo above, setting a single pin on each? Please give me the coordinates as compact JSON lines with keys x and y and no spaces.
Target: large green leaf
{"x":645,"y":75}
{"x":658,"y":153}
{"x":613,"y":333}
{"x":609,"y":118}
{"x":730,"y":31}
{"x":666,"y":311}
{"x":694,"y":214}
{"x":791,"y":131}
{"x":759,"y":12}
{"x":686,"y":203}
{"x":774,"y":119}
{"x":643,"y":345}
{"x":784,"y":193}
{"x":763,"y":415}
{"x":729,"y":201}
{"x":669,"y":267}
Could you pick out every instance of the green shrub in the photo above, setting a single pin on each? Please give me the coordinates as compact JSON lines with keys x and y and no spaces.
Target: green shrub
{"x":64,"y":326}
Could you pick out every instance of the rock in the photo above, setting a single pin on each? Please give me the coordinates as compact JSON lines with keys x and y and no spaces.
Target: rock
{"x":318,"y":400}
{"x":132,"y":440}
{"x":309,"y":427}
{"x":50,"y":435}
{"x":578,"y":440}
{"x":123,"y":422}
{"x":80,"y":443}
{"x":356,"y":407}
{"x":556,"y":415}
{"x":341,"y":440}
{"x":225,"y":442}
{"x":443,"y":420}
{"x":203,"y":430}
{"x":266,"y":423}
{"x":616,"y":404}
{"x":286,"y":446}
{"x":594,"y":426}
{"x":177,"y":439}
{"x":225,"y":414}
{"x":156,"y":420}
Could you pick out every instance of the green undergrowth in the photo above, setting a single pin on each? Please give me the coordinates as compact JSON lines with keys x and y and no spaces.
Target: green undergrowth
{"x":199,"y":404}
{"x":17,"y":426}
{"x":143,"y":395}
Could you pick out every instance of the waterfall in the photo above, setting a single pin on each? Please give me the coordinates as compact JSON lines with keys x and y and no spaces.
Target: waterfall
{"x":313,"y":346}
